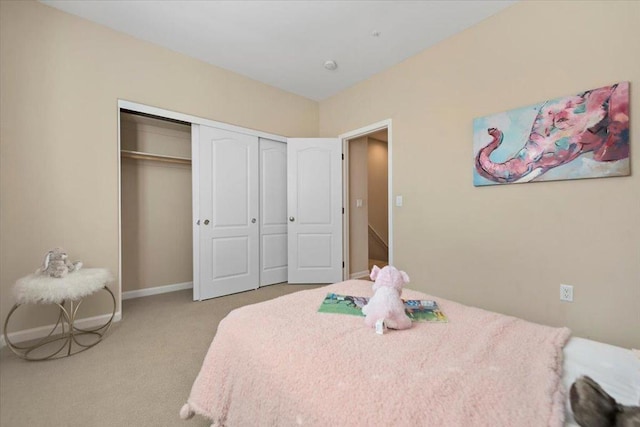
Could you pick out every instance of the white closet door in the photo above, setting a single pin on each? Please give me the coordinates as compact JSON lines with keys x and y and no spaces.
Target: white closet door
{"x":314,"y":190}
{"x":228,"y":205}
{"x":273,"y":212}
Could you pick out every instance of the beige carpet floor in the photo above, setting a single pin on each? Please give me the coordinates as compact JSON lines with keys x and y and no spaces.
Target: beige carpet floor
{"x":140,"y":375}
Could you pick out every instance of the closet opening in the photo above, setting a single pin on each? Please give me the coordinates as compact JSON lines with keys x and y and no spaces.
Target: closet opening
{"x":168,"y":219}
{"x":156,"y":204}
{"x":165,"y":185}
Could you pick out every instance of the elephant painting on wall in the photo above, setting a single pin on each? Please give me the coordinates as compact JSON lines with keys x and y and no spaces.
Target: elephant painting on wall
{"x":579,"y":136}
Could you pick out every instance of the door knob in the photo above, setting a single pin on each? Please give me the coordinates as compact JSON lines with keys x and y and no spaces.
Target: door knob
{"x":291,"y":219}
{"x":206,"y":222}
{"x":253,"y":220}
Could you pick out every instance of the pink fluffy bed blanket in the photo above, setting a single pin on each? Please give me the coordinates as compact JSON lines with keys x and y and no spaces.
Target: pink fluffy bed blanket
{"x":281,"y":363}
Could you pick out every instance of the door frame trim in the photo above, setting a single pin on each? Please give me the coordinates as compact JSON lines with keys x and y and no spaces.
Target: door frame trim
{"x":189,"y":118}
{"x":345,"y":137}
{"x":123,"y":104}
{"x":195,"y":208}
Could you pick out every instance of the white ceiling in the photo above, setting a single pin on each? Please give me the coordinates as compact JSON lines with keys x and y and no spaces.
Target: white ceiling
{"x":285,"y":43}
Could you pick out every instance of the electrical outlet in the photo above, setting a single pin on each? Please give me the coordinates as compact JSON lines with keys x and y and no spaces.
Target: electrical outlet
{"x":566,"y":293}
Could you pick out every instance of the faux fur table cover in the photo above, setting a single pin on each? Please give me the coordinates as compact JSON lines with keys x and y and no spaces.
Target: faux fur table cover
{"x":42,"y":289}
{"x":281,"y":363}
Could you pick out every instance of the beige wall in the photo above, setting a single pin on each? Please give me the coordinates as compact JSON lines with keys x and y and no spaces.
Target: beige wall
{"x":157,"y":243}
{"x":508,"y":248}
{"x":61,"y":78}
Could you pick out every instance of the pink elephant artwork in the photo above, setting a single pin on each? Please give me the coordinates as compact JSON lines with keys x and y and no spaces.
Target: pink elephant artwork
{"x":579,"y":136}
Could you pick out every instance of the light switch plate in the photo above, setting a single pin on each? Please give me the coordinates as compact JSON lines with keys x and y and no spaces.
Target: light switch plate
{"x":399,"y":201}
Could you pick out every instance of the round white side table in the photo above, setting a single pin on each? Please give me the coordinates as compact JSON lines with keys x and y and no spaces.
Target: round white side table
{"x":67,"y":293}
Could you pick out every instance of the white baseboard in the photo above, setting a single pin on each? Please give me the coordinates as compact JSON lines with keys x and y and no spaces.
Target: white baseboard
{"x":359,"y":274}
{"x":157,"y":290}
{"x":91,"y":322}
{"x":43,"y":331}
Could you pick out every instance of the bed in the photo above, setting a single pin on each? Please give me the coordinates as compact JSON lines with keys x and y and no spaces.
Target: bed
{"x":282,"y":363}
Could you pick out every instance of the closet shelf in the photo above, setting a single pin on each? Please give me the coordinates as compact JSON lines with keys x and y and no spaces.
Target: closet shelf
{"x":139,"y":155}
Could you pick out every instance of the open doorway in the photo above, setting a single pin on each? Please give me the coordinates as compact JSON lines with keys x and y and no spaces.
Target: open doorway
{"x":367,"y":201}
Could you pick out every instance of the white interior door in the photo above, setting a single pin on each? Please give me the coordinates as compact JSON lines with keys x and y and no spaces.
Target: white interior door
{"x":273,"y":212}
{"x":228,"y":212}
{"x":314,"y":192}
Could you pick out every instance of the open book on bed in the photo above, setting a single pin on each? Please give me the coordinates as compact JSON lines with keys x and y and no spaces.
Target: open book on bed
{"x":417,"y":310}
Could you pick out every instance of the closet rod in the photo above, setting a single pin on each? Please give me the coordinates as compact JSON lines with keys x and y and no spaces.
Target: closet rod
{"x":153,"y":116}
{"x":139,"y":155}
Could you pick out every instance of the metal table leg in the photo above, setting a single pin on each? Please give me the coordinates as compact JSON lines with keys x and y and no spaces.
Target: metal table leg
{"x":68,"y":335}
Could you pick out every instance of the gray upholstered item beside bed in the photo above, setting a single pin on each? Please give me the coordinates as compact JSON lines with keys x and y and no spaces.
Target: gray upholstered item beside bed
{"x":282,"y":363}
{"x":615,"y":369}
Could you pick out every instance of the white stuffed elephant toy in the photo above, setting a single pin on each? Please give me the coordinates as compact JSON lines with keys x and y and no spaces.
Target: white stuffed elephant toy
{"x":386,"y":304}
{"x":56,"y":264}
